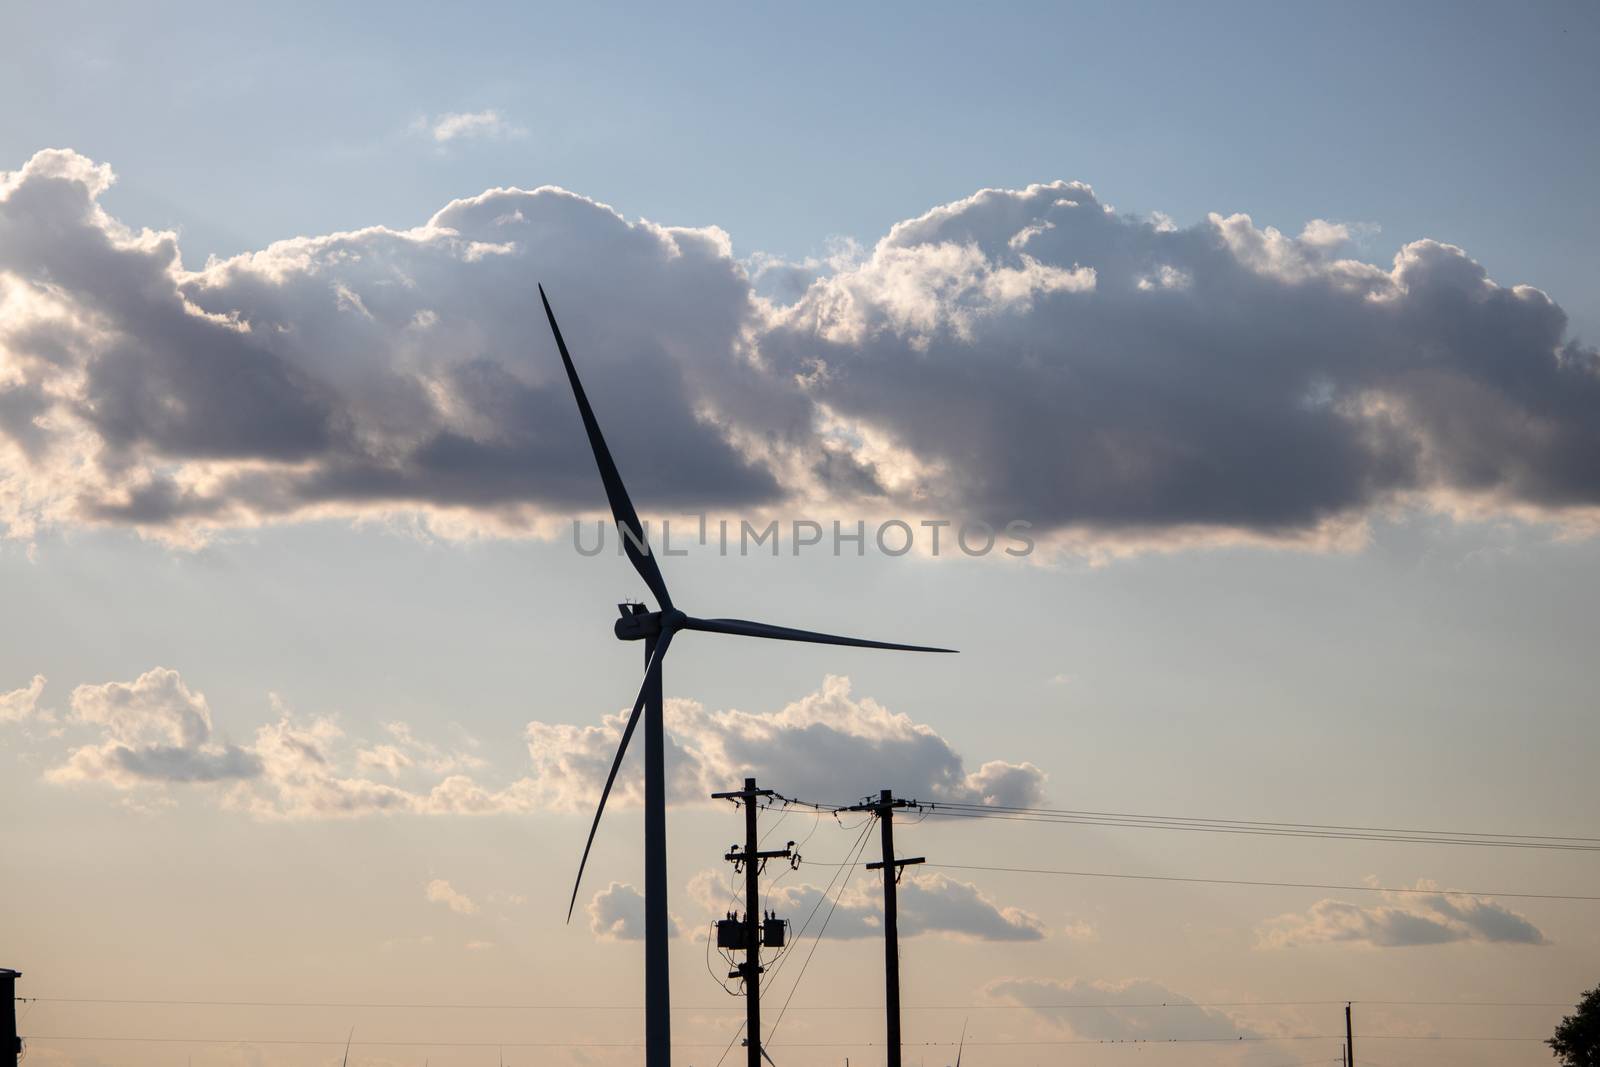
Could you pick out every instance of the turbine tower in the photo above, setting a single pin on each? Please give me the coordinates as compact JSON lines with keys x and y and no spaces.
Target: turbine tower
{"x":657,"y":630}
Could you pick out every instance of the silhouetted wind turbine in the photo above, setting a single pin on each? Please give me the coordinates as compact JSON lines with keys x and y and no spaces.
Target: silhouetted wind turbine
{"x":657,"y":629}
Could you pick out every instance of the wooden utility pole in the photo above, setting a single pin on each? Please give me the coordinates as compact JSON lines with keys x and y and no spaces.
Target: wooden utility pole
{"x":1349,"y":1039}
{"x":883,"y":808}
{"x":756,"y":930}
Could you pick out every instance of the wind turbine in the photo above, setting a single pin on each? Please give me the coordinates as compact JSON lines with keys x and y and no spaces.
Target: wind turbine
{"x":657,"y":630}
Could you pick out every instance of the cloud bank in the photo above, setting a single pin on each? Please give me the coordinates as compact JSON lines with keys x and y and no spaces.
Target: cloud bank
{"x":1406,"y":920}
{"x":1074,"y":1005}
{"x":1020,"y":354}
{"x":929,"y":904}
{"x":156,"y":732}
{"x":827,"y":746}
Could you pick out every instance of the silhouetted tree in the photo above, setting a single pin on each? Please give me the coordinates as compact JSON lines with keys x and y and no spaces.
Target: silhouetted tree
{"x":1577,"y":1039}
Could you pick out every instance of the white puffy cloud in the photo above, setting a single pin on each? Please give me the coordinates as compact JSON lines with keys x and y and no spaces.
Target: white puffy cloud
{"x":827,"y":746}
{"x":928,"y":903}
{"x":154,"y":729}
{"x":1019,"y":354}
{"x":1405,"y":920}
{"x":440,"y":891}
{"x":23,"y":703}
{"x":156,"y":733}
{"x":301,"y":778}
{"x":1075,"y":1005}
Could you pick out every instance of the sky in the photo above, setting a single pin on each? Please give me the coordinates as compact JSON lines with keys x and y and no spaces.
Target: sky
{"x":1247,"y":351}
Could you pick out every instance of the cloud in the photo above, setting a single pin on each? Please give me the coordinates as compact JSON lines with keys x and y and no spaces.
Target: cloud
{"x":440,"y":891}
{"x":616,"y":913}
{"x":1073,"y":1005}
{"x":1221,"y":376}
{"x":20,"y":704}
{"x":1407,"y":920}
{"x":156,"y":733}
{"x":155,"y":730}
{"x":467,"y":125}
{"x":928,"y":903}
{"x":1019,"y":354}
{"x":362,"y":373}
{"x":827,"y":746}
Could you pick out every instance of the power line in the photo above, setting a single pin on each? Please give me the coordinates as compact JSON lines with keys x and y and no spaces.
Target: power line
{"x":1255,"y":827}
{"x":1264,"y":884}
{"x":1261,"y":830}
{"x":347,"y":1005}
{"x":817,"y":941}
{"x":1264,"y":822}
{"x":368,"y":1043}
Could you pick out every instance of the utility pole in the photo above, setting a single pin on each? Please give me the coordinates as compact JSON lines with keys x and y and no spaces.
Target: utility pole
{"x":8,"y":989}
{"x":756,"y":930}
{"x":1349,"y":1039}
{"x":883,"y":808}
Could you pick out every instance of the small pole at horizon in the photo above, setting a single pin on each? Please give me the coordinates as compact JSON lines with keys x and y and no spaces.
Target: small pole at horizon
{"x":1349,"y":1038}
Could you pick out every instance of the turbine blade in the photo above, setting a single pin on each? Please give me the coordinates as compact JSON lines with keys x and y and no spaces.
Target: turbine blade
{"x":639,"y":554}
{"x":743,"y":628}
{"x":652,"y":671}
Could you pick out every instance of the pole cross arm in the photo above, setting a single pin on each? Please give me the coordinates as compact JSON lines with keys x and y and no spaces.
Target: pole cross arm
{"x":739,"y":855}
{"x":878,"y":865}
{"x":879,"y":805}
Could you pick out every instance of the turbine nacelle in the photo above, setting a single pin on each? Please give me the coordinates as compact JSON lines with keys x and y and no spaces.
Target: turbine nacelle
{"x":638,"y":623}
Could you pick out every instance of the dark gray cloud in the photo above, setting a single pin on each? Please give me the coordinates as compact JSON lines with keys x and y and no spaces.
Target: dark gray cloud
{"x":1217,"y":376}
{"x":361,"y":370}
{"x":1409,"y":920}
{"x":1075,"y":1005}
{"x":1022,"y":354}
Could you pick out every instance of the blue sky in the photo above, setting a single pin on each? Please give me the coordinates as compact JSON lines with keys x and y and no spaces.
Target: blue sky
{"x":305,"y":694}
{"x":1466,"y":122}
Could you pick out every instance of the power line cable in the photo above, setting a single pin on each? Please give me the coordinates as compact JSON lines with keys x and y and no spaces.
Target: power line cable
{"x":1257,"y":827}
{"x":1264,"y":822}
{"x":1264,"y":884}
{"x":1259,"y":831}
{"x":369,"y":1043}
{"x":860,"y":846}
{"x":348,"y":1005}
